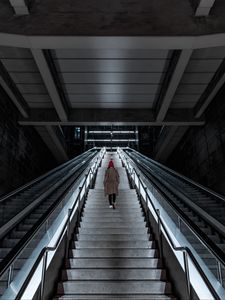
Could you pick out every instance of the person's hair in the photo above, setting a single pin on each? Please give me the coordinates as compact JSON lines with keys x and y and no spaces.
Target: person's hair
{"x":111,"y":164}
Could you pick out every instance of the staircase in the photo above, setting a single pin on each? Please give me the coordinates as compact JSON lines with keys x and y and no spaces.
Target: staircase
{"x":113,"y":256}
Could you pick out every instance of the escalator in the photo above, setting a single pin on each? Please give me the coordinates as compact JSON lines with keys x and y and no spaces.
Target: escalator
{"x":25,"y":211}
{"x":159,"y":242}
{"x":203,"y":210}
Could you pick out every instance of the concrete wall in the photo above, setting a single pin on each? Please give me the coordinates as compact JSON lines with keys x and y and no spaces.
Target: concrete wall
{"x":201,"y":153}
{"x":23,"y":155}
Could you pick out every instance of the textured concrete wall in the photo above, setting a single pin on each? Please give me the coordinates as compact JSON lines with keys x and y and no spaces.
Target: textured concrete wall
{"x":201,"y":153}
{"x":23,"y":156}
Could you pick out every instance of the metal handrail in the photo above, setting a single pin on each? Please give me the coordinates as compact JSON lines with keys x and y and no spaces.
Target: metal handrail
{"x":38,"y":179}
{"x":175,"y":248}
{"x":193,"y":230}
{"x":43,"y":253}
{"x":28,"y":237}
{"x":209,"y":219}
{"x":218,"y":253}
{"x":193,"y":183}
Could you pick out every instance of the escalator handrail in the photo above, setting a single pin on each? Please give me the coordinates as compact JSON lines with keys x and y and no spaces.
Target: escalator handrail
{"x":26,"y":210}
{"x":38,"y":179}
{"x":180,"y":248}
{"x":43,"y":192}
{"x":53,"y":248}
{"x":184,"y":178}
{"x":214,"y":250}
{"x":210,"y":219}
{"x":11,"y":257}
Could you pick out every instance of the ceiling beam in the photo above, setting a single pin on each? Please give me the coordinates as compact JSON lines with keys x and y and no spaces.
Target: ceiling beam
{"x":167,"y":141}
{"x":51,"y":137}
{"x":50,"y":83}
{"x":204,"y":7}
{"x":172,"y":79}
{"x":13,"y":92}
{"x":125,"y":42}
{"x":210,"y":92}
{"x":78,"y":116}
{"x":20,"y":7}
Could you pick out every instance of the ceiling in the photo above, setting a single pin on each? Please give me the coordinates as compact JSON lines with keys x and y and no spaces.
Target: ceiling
{"x":128,"y":71}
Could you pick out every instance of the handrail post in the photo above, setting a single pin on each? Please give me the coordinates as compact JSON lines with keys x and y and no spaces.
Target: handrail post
{"x":78,"y":207}
{"x":45,"y":257}
{"x":85,"y":185}
{"x":219,"y":272}
{"x":179,"y":223}
{"x":133,"y":178}
{"x":146,"y":206}
{"x":186,"y":269}
{"x":10,"y":275}
{"x":67,"y":235}
{"x":160,"y":234}
{"x":139,"y":186}
{"x":90,"y":179}
{"x":46,"y":225}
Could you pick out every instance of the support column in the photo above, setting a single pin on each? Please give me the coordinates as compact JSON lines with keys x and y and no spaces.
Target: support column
{"x":20,"y":7}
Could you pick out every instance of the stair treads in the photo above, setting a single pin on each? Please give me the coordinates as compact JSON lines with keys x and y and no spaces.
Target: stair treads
{"x":113,"y":244}
{"x":118,"y":297}
{"x":114,"y":287}
{"x":117,"y":224}
{"x":113,"y":230}
{"x":113,"y":274}
{"x":122,"y":192}
{"x":114,"y":219}
{"x":114,"y":253}
{"x":112,"y":216}
{"x":113,"y":237}
{"x":113,"y":256}
{"x":120,"y":205}
{"x":136,"y":263}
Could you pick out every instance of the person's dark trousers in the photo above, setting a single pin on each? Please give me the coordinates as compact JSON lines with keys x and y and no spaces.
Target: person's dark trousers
{"x":112,"y":199}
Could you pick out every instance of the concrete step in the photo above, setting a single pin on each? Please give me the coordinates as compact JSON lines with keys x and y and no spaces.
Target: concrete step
{"x":113,"y":274}
{"x":111,"y":297}
{"x":113,"y":213}
{"x":106,"y":223}
{"x":120,"y":196}
{"x":130,"y":219}
{"x":113,"y":230}
{"x":103,"y":263}
{"x":123,"y":252}
{"x":105,"y":204}
{"x":125,"y":191}
{"x":113,"y":244}
{"x":120,"y":210}
{"x":113,"y":237}
{"x":104,"y":287}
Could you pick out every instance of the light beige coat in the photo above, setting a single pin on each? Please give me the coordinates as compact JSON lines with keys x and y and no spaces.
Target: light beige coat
{"x":111,"y":181}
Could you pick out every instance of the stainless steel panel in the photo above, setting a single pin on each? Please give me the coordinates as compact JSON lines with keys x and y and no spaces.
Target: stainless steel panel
{"x":110,"y":88}
{"x":110,"y":65}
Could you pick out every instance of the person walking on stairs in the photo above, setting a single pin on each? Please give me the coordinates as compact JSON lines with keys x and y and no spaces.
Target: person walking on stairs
{"x":111,"y":183}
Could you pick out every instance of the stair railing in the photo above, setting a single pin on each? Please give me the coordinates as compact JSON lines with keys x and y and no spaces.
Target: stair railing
{"x":64,"y":232}
{"x":216,"y":252}
{"x":162,"y":230}
{"x":184,"y":178}
{"x":40,"y":178}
